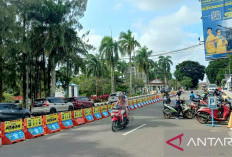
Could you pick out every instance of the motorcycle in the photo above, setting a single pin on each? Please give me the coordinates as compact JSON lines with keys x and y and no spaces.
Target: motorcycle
{"x":119,"y":121}
{"x":221,"y":113}
{"x":170,"y":111}
{"x":196,"y":104}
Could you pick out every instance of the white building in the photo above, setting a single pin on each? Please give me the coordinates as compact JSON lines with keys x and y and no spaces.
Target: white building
{"x":73,"y":90}
{"x":155,"y":85}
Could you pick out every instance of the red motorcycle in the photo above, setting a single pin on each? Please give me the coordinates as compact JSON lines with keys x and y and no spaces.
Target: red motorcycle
{"x":222,"y":113}
{"x":197,"y":104}
{"x":119,"y":121}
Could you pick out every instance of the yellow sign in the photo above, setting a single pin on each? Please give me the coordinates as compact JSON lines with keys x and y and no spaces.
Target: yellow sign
{"x":110,"y":107}
{"x":88,"y":111}
{"x":65,"y":115}
{"x":96,"y":110}
{"x":104,"y":108}
{"x":52,"y":118}
{"x":15,"y":125}
{"x":78,"y":114}
{"x":34,"y":122}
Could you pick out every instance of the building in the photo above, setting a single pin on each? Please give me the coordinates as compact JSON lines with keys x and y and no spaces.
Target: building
{"x":73,"y":90}
{"x":226,"y":82}
{"x":155,"y":85}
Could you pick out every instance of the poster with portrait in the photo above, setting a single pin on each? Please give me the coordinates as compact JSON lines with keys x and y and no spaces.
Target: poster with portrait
{"x":217,"y":28}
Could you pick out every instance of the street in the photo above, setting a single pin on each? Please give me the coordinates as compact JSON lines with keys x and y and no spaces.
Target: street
{"x":144,"y":136}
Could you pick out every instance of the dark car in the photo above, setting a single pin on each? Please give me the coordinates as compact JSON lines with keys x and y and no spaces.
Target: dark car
{"x":80,"y":102}
{"x":10,"y":111}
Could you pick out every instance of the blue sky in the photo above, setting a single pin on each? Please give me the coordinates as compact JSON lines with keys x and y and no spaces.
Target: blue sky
{"x":161,"y":25}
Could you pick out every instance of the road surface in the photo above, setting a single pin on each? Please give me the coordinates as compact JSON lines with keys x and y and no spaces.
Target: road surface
{"x":144,"y":137}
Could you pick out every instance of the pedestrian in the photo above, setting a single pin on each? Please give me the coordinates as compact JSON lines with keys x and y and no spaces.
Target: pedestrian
{"x":192,"y":96}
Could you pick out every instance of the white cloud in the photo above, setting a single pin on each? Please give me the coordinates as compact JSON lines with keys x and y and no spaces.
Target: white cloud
{"x":150,"y":5}
{"x":167,"y":32}
{"x":118,"y":6}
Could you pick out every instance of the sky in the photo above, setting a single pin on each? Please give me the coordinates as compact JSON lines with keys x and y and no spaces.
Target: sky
{"x":161,"y":25}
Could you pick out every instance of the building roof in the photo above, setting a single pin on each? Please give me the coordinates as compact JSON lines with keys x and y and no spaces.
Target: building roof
{"x":156,"y":81}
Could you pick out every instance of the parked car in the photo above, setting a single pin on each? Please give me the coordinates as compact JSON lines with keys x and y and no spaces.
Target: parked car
{"x":50,"y":105}
{"x":212,"y":88}
{"x":80,"y":102}
{"x":10,"y":111}
{"x":113,"y":97}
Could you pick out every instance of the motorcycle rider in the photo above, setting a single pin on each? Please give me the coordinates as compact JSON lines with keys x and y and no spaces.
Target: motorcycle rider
{"x":179,"y":93}
{"x":192,"y":96}
{"x":123,"y":103}
{"x":166,"y":99}
{"x":178,"y":107}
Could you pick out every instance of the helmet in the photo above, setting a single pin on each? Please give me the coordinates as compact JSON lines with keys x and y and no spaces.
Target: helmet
{"x":121,"y":96}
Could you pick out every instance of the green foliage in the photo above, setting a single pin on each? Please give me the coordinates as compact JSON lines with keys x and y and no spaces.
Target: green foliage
{"x":7,"y":97}
{"x":190,"y":69}
{"x":216,"y":70}
{"x":142,"y":60}
{"x":187,"y":82}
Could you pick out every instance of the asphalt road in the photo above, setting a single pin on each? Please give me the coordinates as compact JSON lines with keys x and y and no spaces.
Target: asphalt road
{"x":145,"y":136}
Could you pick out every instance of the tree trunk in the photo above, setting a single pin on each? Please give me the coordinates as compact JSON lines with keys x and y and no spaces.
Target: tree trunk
{"x":44,"y":73}
{"x":96,"y":86}
{"x":1,"y":79}
{"x":131,"y":90}
{"x":112,"y":80}
{"x":49,"y":77}
{"x":53,"y":77}
{"x":24,"y":80}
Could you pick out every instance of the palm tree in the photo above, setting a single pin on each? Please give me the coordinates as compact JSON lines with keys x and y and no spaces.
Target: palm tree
{"x":109,"y":51}
{"x":143,"y":62}
{"x":127,"y":45}
{"x":122,"y":67}
{"x":165,"y":66}
{"x":94,"y":68}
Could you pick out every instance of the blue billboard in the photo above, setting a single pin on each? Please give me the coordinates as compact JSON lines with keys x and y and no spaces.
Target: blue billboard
{"x":217,"y":28}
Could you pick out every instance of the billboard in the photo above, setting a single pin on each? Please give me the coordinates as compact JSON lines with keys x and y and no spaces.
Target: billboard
{"x":217,"y":28}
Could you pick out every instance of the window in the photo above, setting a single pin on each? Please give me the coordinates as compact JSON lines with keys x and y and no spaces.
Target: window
{"x":15,"y":107}
{"x":5,"y":107}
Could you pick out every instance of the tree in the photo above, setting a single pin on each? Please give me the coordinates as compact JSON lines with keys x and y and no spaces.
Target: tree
{"x":190,"y":69}
{"x":187,"y":82}
{"x":165,"y":66}
{"x":94,"y":68}
{"x":128,"y":44}
{"x":143,"y":62}
{"x":109,"y":51}
{"x":216,"y":70}
{"x":122,"y":67}
{"x":9,"y":35}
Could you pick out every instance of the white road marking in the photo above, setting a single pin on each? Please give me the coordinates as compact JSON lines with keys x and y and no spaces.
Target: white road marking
{"x":134,"y":129}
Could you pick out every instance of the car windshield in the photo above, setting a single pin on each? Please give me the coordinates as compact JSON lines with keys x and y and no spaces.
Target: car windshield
{"x":113,"y":94}
{"x":55,"y":100}
{"x":213,"y":86}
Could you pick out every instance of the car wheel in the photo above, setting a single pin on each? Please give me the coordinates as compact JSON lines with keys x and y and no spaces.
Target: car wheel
{"x":53,"y":111}
{"x":26,"y":116}
{"x":70,"y":108}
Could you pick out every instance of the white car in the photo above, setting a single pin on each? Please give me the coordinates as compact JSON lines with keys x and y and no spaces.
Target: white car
{"x":113,"y":97}
{"x":212,"y":88}
{"x":50,"y":105}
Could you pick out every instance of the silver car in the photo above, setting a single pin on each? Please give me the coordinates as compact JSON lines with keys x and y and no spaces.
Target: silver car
{"x":50,"y":105}
{"x":113,"y":97}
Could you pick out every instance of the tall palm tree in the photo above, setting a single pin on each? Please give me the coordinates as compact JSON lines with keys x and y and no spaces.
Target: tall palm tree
{"x":143,"y":62}
{"x":165,"y":66}
{"x":127,"y":45}
{"x":109,"y":51}
{"x":122,"y":67}
{"x":94,"y":68}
